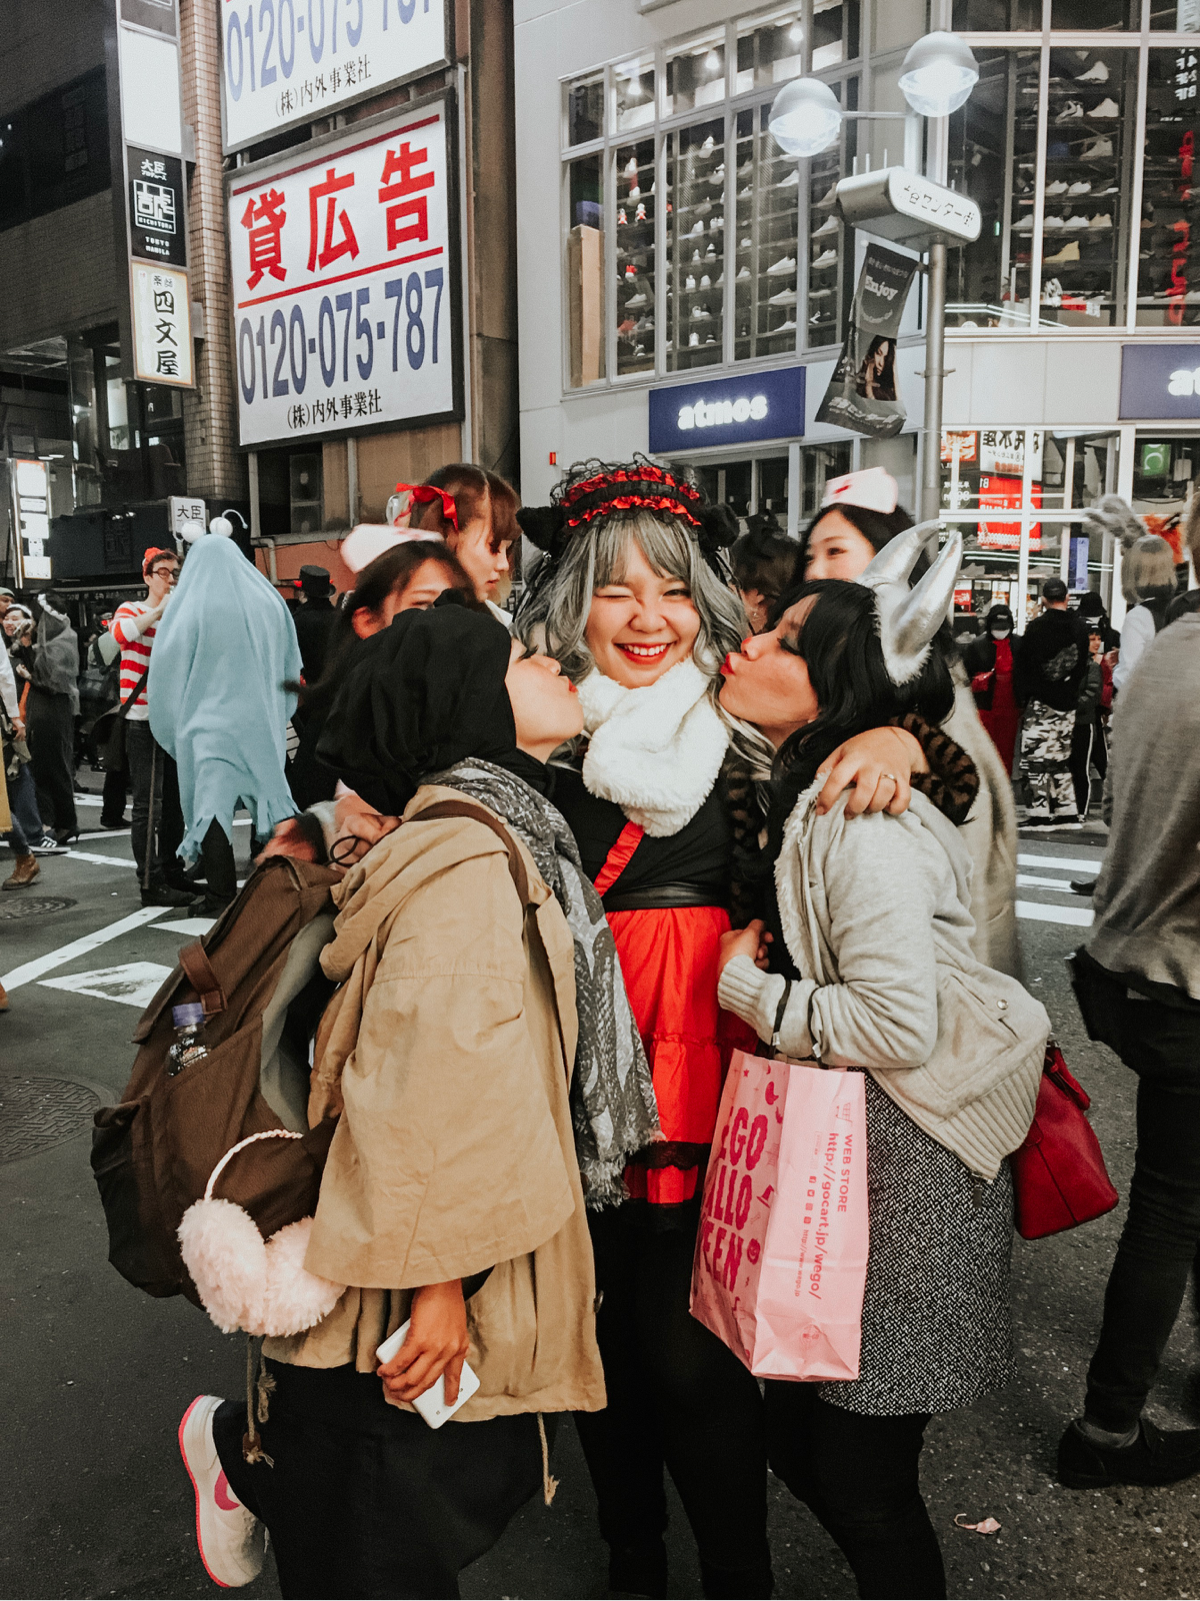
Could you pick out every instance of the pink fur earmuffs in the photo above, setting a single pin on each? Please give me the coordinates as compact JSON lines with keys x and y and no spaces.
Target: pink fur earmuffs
{"x":245,"y":1282}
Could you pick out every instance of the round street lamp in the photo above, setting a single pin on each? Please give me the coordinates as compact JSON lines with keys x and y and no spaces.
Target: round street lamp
{"x":938,"y":74}
{"x":805,"y":117}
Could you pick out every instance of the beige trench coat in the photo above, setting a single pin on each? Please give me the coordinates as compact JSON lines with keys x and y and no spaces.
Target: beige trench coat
{"x":447,"y":1052}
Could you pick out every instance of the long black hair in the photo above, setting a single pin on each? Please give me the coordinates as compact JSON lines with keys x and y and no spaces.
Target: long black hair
{"x":877,"y":527}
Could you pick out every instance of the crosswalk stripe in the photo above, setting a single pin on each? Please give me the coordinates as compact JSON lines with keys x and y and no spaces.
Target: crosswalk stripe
{"x":26,"y":973}
{"x":1069,"y":916}
{"x":1039,"y":881}
{"x":105,"y":861}
{"x":1061,"y":864}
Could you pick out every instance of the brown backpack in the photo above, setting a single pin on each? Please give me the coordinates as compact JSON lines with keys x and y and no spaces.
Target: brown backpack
{"x":153,"y":1153}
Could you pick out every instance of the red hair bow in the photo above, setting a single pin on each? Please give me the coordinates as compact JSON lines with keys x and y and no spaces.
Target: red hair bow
{"x":422,"y":494}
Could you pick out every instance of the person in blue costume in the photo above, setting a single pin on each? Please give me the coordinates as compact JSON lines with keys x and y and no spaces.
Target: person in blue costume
{"x":222,"y":654}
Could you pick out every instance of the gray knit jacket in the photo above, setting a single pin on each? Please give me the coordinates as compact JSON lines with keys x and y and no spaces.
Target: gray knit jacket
{"x":874,"y":915}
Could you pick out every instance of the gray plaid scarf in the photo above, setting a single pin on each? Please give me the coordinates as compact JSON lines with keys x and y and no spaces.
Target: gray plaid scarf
{"x":613,"y":1108}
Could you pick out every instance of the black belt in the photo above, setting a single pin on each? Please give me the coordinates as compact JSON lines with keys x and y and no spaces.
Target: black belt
{"x":656,"y":897}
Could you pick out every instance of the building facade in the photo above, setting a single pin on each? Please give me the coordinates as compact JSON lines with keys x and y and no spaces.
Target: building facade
{"x":687,"y":259}
{"x":104,"y":211}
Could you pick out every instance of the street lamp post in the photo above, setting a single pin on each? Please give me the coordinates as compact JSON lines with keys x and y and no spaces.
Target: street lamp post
{"x":936,"y":78}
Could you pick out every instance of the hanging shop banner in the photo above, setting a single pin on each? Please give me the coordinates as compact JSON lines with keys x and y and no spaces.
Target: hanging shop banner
{"x":157,"y":207}
{"x":162,"y":330}
{"x":290,"y":61}
{"x":31,"y":517}
{"x":342,"y":284}
{"x":862,"y":392}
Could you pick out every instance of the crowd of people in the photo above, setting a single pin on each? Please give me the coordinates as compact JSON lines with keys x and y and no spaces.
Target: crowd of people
{"x":696,"y":793}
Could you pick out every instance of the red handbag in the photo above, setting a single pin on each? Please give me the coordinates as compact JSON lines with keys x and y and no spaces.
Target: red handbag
{"x":1058,"y":1173}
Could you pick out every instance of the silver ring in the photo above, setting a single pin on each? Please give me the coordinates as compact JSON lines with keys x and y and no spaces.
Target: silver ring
{"x":892,"y":776}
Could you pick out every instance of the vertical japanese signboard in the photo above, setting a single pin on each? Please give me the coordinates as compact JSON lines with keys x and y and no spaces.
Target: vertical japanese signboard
{"x":290,"y":61}
{"x":343,"y":288}
{"x":31,"y":518}
{"x":162,"y":335}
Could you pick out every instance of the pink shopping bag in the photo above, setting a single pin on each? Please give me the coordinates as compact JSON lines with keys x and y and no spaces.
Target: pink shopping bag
{"x":781,"y":1257}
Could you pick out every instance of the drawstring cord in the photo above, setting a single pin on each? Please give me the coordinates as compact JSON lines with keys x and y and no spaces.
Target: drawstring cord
{"x":252,"y":1450}
{"x":549,"y":1482}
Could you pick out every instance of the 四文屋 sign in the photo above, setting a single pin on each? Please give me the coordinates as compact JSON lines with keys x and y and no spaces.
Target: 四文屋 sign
{"x":162,"y":329}
{"x":290,"y":61}
{"x":342,"y":285}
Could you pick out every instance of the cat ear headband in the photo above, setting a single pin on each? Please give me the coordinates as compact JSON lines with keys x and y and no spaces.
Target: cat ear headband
{"x":909,"y":618}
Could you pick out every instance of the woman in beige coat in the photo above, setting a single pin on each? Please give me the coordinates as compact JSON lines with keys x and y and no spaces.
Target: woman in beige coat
{"x":452,"y":1196}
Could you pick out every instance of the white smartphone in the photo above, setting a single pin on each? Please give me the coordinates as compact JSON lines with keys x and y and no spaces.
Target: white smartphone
{"x":432,"y":1404}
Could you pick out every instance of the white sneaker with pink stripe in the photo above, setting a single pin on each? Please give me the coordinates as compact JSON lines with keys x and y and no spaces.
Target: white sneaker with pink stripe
{"x":232,"y":1541}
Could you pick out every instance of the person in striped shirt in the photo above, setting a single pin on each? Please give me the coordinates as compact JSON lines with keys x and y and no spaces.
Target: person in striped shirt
{"x":133,"y":626}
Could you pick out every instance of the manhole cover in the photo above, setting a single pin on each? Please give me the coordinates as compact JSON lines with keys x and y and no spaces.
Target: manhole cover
{"x":36,"y":1113}
{"x":19,"y":907}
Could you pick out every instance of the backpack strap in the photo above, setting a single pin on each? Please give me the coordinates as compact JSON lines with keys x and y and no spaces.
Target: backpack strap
{"x":199,"y":973}
{"x":482,"y":814}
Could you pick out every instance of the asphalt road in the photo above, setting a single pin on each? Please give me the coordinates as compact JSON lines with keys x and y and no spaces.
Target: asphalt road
{"x":97,"y":1375}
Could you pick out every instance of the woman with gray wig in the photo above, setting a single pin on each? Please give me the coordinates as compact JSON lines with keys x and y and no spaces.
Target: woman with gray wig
{"x":634,"y":602}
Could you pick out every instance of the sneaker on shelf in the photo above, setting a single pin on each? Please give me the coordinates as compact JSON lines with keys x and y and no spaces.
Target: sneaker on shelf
{"x":792,"y":181}
{"x":1068,"y":253}
{"x":696,"y":256}
{"x":711,"y":253}
{"x":1115,"y":189}
{"x":782,"y":268}
{"x":821,"y":294}
{"x":697,"y":228}
{"x":1071,"y":112}
{"x":827,"y":258}
{"x":48,"y":846}
{"x":716,"y":224}
{"x":1059,"y":187}
{"x":693,"y":338}
{"x":706,"y":282}
{"x":717,"y":177}
{"x":1024,"y":226}
{"x":746,"y":168}
{"x":1079,"y":220}
{"x":708,"y":144}
{"x":826,"y":199}
{"x":703,"y":208}
{"x":1051,"y":222}
{"x":1098,"y":149}
{"x":743,"y":272}
{"x":720,"y":281}
{"x":1080,"y":187}
{"x":819,"y":319}
{"x":690,"y":281}
{"x":635,"y":301}
{"x":784,"y":328}
{"x":635,"y":193}
{"x":827,"y":227}
{"x":1101,"y":220}
{"x":644,"y":325}
{"x":1107,"y":108}
{"x":745,"y":194}
{"x":744,"y":244}
{"x":1096,"y":73}
{"x":231,"y":1540}
{"x":785,"y":297}
{"x":711,"y":340}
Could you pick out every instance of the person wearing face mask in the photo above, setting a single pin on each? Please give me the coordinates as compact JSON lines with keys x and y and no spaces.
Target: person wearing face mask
{"x":475,"y":1052}
{"x":475,"y":512}
{"x":990,"y":661}
{"x":633,"y":601}
{"x":859,"y":518}
{"x":864,"y":962}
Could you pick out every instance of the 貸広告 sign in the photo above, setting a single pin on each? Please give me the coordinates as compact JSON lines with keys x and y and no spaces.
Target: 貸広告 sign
{"x":342,"y":283}
{"x":289,"y":61}
{"x":1160,"y":381}
{"x":727,"y":411}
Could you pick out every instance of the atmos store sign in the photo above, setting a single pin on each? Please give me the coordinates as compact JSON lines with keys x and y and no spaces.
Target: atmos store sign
{"x":764,"y":405}
{"x":289,"y":61}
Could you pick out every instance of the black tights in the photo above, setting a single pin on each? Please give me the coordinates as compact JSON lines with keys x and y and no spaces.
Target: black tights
{"x":859,"y":1476}
{"x":677,"y":1400}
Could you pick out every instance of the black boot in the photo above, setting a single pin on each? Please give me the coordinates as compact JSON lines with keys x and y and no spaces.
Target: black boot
{"x":1154,"y":1458}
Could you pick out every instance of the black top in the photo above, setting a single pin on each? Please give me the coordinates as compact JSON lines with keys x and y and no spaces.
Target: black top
{"x":313,"y":621}
{"x":1052,"y":661}
{"x":980,"y":655}
{"x":698,"y":856}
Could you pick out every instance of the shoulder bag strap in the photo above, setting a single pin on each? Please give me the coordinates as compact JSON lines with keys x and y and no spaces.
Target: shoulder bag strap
{"x":198,"y":971}
{"x":482,"y":814}
{"x":133,"y":695}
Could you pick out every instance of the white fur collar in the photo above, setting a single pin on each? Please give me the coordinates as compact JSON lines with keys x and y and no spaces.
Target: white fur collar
{"x":655,"y":751}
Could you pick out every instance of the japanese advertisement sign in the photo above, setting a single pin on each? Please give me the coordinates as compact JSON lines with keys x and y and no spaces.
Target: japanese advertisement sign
{"x":1002,"y":450}
{"x":157,"y":207}
{"x":31,"y":514}
{"x":342,"y":284}
{"x":289,"y":61}
{"x":862,"y":393}
{"x":162,"y":329}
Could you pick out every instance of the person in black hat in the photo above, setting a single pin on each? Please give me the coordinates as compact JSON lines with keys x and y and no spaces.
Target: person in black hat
{"x":314,"y":618}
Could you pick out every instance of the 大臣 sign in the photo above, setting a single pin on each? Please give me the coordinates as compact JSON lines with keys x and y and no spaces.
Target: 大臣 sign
{"x":342,"y":283}
{"x":289,"y":61}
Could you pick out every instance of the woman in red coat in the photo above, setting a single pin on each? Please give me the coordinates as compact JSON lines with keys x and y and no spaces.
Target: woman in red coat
{"x":990,"y":660}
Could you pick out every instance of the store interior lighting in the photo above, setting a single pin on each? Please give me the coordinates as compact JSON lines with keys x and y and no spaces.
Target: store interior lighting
{"x":938,"y":75}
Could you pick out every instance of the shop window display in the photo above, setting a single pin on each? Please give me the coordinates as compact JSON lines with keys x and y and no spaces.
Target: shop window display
{"x":635,"y":95}
{"x":770,"y":50}
{"x":1169,"y":257}
{"x":818,"y":464}
{"x":585,"y":269}
{"x":1164,"y":481}
{"x":695,"y":259}
{"x":767,"y":209}
{"x":696,"y":76}
{"x":835,"y":36}
{"x":585,"y":109}
{"x":635,"y":291}
{"x":1175,"y":16}
{"x":827,"y":234}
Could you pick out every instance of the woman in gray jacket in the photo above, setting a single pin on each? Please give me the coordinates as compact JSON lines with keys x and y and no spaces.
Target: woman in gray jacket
{"x":864,"y":961}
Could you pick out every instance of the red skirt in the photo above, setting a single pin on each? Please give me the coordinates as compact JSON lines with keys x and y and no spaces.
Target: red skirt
{"x":669,"y":961}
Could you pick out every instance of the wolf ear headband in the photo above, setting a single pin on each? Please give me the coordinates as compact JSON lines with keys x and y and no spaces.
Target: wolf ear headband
{"x":909,"y":618}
